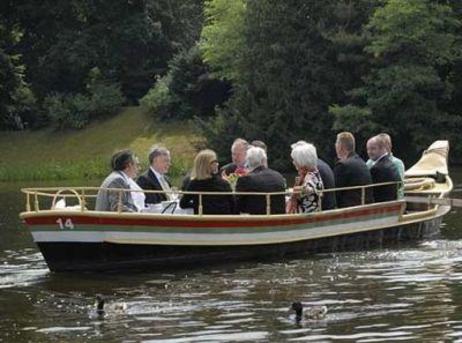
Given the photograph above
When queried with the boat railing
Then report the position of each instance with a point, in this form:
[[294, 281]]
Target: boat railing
[[35, 196]]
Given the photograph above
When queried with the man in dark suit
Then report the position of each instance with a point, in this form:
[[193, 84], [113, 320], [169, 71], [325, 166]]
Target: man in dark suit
[[260, 179], [349, 171], [154, 178], [382, 170], [328, 180], [238, 153]]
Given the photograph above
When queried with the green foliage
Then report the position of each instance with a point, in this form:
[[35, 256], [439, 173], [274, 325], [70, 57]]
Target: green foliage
[[68, 111], [129, 41], [76, 110], [17, 102], [223, 35], [413, 45], [188, 90], [158, 101]]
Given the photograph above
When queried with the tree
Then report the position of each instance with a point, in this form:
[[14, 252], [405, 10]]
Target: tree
[[412, 46], [16, 99], [288, 64]]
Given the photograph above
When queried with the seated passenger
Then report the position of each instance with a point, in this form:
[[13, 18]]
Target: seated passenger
[[205, 178], [124, 167], [238, 152], [308, 187], [382, 170], [154, 178], [399, 165], [260, 179], [350, 171], [327, 176]]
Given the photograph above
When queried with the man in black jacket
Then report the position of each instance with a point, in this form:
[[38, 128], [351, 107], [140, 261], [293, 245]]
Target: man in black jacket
[[260, 179], [382, 170], [154, 178], [349, 171]]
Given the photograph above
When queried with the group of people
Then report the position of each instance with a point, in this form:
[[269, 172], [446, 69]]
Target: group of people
[[243, 181]]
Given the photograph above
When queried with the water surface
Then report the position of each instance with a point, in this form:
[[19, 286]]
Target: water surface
[[404, 293]]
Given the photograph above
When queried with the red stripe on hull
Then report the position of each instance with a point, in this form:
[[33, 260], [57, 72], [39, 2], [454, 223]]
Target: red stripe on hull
[[174, 222]]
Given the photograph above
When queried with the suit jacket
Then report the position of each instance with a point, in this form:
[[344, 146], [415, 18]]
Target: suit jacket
[[261, 179], [211, 204], [348, 173], [107, 200], [327, 176], [228, 168], [385, 171], [149, 181]]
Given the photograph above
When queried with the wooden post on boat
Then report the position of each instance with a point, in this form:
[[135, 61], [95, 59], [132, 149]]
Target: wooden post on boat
[[82, 201], [268, 204], [200, 204], [27, 202], [36, 203], [119, 204]]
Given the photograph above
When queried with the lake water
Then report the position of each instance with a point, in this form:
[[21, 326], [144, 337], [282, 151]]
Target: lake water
[[404, 293]]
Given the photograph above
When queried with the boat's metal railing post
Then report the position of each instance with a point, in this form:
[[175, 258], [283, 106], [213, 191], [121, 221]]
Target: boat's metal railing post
[[268, 204], [320, 195], [119, 204], [28, 202], [363, 195], [82, 200], [200, 204], [36, 202]]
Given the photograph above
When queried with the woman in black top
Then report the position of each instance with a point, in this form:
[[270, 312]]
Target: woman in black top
[[205, 178]]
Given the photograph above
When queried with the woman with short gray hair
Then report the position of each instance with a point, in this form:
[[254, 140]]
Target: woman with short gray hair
[[308, 186]]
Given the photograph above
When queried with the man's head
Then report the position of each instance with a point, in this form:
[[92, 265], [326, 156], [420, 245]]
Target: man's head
[[238, 151], [159, 159], [126, 161], [259, 144], [385, 137], [376, 147], [345, 145], [256, 157]]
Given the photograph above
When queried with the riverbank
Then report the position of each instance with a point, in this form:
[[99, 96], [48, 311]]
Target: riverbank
[[47, 154]]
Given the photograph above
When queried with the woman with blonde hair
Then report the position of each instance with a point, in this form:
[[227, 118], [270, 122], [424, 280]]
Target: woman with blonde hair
[[205, 178]]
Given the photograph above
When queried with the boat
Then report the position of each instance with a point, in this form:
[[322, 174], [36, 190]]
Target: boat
[[78, 238]]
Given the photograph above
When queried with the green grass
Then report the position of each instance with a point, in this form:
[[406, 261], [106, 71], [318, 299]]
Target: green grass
[[84, 154]]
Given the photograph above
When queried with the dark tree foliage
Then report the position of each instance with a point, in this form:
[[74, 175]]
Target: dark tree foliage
[[413, 48], [129, 41], [298, 58], [17, 103]]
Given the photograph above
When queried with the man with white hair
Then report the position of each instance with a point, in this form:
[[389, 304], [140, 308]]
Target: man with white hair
[[238, 154], [260, 179], [154, 178]]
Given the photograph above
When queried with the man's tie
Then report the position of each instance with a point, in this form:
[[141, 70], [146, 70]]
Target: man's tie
[[166, 187]]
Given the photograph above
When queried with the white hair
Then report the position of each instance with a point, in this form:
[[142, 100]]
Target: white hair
[[255, 157], [298, 143], [304, 154]]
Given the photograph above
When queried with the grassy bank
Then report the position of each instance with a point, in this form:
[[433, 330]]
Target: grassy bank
[[84, 154]]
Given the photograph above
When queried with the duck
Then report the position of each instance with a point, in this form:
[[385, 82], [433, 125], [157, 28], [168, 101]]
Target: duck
[[312, 313], [100, 312]]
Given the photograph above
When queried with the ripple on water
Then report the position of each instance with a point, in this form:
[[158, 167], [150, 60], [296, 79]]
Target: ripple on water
[[22, 268]]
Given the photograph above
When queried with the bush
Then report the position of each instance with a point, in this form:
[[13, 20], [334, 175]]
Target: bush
[[76, 110], [68, 111], [188, 89], [159, 101]]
